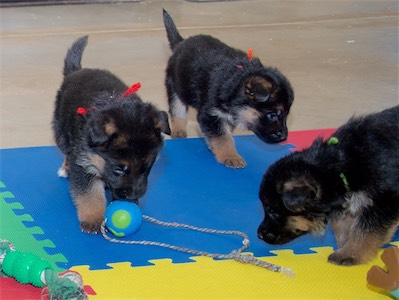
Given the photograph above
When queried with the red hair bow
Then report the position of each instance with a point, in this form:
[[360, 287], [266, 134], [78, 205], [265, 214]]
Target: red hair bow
[[134, 88]]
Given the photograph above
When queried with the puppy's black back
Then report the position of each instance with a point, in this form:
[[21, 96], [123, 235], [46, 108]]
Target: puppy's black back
[[205, 70], [371, 144]]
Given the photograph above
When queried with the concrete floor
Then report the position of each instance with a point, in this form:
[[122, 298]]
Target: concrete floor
[[340, 56]]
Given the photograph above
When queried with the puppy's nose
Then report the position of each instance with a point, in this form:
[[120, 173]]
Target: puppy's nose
[[122, 193], [280, 135], [266, 236]]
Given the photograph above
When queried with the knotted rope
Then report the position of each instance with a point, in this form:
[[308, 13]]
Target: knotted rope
[[237, 255]]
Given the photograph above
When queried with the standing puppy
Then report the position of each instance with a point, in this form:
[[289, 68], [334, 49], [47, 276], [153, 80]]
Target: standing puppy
[[351, 180], [228, 88], [109, 136]]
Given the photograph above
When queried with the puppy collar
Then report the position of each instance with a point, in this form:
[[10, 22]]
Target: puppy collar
[[334, 141], [134, 88]]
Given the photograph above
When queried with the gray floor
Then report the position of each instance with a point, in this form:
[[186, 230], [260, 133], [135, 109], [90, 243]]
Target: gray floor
[[340, 56]]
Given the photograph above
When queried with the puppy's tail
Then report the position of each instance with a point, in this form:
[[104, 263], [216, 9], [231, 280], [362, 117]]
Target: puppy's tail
[[74, 56], [174, 36]]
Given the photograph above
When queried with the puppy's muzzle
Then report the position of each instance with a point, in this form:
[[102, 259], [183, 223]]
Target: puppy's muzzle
[[129, 193], [272, 137], [266, 236], [276, 137], [274, 236]]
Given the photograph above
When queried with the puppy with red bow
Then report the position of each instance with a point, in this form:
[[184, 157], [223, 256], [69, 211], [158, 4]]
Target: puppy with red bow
[[109, 136]]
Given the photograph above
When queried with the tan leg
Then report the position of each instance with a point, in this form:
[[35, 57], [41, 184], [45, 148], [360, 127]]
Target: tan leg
[[356, 245], [225, 151], [91, 207], [63, 170], [358, 249], [179, 127], [341, 227]]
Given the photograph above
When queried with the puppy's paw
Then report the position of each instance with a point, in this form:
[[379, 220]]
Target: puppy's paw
[[342, 259], [62, 172], [91, 227], [179, 134], [235, 162]]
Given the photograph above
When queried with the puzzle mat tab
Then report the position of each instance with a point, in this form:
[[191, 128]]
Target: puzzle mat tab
[[186, 185]]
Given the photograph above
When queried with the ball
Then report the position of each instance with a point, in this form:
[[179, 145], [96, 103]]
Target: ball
[[123, 218]]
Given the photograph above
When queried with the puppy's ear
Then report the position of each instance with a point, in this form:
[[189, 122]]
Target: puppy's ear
[[258, 89], [164, 120], [297, 196], [101, 133]]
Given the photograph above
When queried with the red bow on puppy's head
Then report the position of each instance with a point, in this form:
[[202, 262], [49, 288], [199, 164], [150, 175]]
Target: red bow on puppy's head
[[134, 88]]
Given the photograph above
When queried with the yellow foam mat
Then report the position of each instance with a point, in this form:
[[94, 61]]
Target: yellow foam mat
[[227, 279]]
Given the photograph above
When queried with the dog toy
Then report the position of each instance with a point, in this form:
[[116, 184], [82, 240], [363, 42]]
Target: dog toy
[[389, 279], [29, 268], [133, 210], [123, 218]]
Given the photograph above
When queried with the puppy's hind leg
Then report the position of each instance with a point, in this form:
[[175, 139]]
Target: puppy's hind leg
[[178, 112], [358, 243]]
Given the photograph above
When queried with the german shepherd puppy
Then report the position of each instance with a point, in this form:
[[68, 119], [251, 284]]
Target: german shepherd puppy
[[351, 180], [228, 88], [109, 136]]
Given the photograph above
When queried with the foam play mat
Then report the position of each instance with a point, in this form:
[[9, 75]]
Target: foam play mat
[[186, 185]]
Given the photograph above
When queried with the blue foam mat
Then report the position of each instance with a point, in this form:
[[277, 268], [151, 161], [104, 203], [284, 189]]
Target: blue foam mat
[[186, 185]]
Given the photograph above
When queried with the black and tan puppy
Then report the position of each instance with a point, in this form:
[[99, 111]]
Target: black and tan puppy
[[351, 180], [228, 88], [109, 136]]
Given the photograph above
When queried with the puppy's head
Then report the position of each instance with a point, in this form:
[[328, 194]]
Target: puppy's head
[[268, 102], [124, 140], [293, 200]]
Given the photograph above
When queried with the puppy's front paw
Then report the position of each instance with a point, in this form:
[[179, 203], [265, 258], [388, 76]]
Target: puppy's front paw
[[179, 134], [91, 227], [62, 172], [342, 259], [235, 162]]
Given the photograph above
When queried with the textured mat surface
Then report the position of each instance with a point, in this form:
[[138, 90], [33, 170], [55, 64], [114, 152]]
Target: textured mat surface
[[186, 185]]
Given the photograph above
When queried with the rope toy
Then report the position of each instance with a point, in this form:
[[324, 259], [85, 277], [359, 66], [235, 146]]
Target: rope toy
[[111, 220], [134, 88], [29, 268]]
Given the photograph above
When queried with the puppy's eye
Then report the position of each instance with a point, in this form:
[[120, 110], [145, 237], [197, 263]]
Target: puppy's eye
[[274, 116], [249, 92], [273, 215], [121, 170]]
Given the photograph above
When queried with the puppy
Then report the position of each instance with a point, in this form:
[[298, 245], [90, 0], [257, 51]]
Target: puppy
[[351, 180], [228, 88], [109, 136]]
